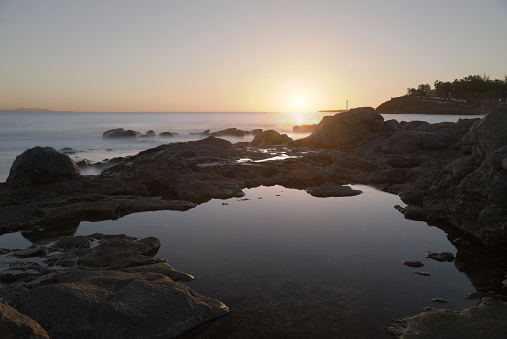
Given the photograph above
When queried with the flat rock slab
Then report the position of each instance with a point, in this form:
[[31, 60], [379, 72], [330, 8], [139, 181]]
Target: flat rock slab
[[111, 304], [486, 320], [324, 191]]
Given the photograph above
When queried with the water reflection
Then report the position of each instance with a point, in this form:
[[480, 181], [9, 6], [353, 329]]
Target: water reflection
[[288, 263]]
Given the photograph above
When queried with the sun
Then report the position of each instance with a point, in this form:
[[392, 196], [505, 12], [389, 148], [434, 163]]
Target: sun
[[299, 102]]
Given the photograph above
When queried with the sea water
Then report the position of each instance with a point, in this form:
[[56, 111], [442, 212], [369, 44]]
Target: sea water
[[286, 263]]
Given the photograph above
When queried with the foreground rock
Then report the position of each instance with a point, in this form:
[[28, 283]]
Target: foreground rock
[[14, 324], [486, 320], [104, 286]]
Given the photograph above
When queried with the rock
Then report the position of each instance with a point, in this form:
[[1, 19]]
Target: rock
[[304, 128], [42, 165], [232, 132], [440, 300], [14, 325], [408, 141], [119, 133], [256, 131], [149, 134], [486, 320], [444, 256], [423, 273], [166, 135], [111, 304], [206, 133], [105, 286], [489, 132], [345, 128], [411, 263], [83, 163], [391, 125], [270, 138], [330, 190]]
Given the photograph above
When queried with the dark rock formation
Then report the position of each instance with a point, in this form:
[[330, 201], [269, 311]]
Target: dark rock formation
[[345, 128], [166, 135], [444, 256], [332, 191], [42, 165], [486, 320], [105, 286], [414, 263], [119, 133], [149, 134], [408, 105], [231, 132], [14, 325], [270, 138]]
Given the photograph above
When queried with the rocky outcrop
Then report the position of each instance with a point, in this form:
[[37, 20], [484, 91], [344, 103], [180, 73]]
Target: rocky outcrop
[[486, 320], [270, 138], [119, 133], [14, 325], [408, 105], [42, 165], [104, 286], [345, 128]]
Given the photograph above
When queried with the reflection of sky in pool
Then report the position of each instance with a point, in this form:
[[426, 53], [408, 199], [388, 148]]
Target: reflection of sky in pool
[[282, 263]]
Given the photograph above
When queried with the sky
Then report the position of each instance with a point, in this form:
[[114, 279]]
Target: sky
[[263, 55]]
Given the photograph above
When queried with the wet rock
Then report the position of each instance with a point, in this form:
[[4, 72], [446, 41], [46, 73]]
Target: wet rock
[[232, 132], [42, 165], [270, 138], [119, 133], [444, 256], [486, 320], [413, 263], [330, 190], [14, 324], [256, 131]]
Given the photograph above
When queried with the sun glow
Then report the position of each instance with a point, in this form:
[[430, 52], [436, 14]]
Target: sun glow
[[299, 102]]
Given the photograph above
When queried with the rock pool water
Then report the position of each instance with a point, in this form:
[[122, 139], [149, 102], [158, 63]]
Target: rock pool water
[[291, 265]]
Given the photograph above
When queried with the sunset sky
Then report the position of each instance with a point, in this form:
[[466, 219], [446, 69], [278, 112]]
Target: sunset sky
[[273, 55]]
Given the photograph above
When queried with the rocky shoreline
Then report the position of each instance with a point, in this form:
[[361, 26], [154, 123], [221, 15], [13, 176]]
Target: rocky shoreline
[[452, 174]]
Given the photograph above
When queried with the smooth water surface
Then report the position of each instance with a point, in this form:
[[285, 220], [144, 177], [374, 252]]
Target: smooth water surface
[[289, 263]]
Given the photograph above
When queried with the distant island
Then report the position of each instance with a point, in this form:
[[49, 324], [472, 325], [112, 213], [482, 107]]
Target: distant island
[[334, 110], [24, 109]]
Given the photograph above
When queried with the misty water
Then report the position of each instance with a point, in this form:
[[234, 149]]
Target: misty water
[[286, 263]]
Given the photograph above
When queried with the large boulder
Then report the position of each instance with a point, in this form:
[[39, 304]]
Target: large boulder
[[42, 165], [270, 138], [345, 128], [15, 325], [119, 133]]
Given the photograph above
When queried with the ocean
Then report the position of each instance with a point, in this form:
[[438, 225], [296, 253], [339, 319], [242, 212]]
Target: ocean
[[286, 263]]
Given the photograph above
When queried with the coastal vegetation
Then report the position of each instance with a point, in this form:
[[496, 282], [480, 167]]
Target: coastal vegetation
[[471, 88]]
